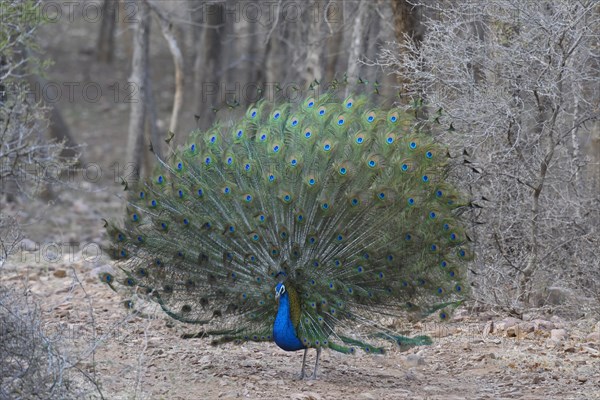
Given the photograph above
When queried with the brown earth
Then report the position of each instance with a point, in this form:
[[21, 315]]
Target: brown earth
[[146, 357]]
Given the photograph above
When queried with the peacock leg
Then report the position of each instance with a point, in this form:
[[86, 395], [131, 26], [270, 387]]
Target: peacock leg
[[303, 364], [314, 375]]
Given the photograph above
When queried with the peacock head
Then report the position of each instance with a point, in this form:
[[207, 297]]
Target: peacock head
[[279, 290]]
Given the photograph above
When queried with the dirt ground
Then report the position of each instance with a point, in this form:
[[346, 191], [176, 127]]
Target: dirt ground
[[136, 357], [146, 357]]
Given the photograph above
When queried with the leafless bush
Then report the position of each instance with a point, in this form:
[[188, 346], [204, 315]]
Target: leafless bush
[[28, 161], [34, 363], [519, 81]]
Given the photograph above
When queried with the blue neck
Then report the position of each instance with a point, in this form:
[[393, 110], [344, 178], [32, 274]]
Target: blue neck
[[284, 332]]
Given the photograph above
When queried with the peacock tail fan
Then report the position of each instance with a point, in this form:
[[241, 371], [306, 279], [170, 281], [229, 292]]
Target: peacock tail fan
[[344, 199]]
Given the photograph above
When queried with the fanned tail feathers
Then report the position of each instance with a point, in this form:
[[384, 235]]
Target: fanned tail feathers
[[348, 202]]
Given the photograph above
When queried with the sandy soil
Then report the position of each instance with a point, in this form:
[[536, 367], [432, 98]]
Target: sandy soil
[[146, 357]]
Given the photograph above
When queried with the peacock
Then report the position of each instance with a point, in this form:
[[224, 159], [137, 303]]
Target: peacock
[[301, 222]]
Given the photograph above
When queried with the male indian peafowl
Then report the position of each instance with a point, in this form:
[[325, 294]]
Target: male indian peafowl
[[296, 223]]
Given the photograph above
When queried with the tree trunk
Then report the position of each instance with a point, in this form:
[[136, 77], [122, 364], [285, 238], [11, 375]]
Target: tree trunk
[[273, 62], [232, 52], [407, 26], [357, 40], [194, 69], [255, 73], [57, 128], [312, 68], [167, 31], [127, 18], [151, 124], [105, 45], [334, 14], [139, 77], [532, 262], [407, 21], [208, 97]]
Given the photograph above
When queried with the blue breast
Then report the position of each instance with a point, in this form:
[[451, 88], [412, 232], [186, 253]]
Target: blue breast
[[284, 332]]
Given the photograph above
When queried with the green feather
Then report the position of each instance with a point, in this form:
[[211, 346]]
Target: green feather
[[346, 201]]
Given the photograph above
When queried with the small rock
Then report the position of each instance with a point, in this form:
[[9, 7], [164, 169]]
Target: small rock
[[537, 379], [460, 315], [488, 328], [414, 360], [367, 395], [443, 331], [412, 375], [306, 396], [527, 317], [593, 352], [248, 363], [558, 335], [205, 360], [593, 337], [543, 325], [582, 379], [60, 273], [63, 313], [526, 327], [29, 245], [481, 357], [512, 331], [569, 349], [505, 324], [80, 207]]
